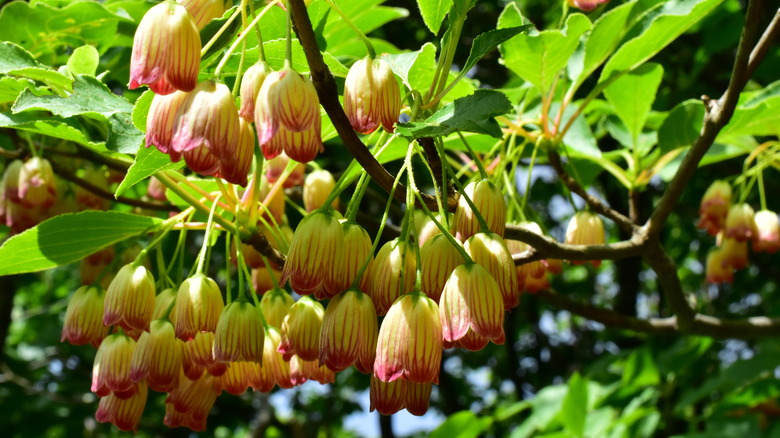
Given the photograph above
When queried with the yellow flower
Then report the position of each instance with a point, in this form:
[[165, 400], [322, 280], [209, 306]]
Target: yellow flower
[[371, 96]]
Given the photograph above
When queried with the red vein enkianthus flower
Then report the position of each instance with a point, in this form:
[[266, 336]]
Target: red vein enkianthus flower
[[371, 96], [491, 205], [301, 330], [157, 357], [166, 50], [84, 317], [315, 245], [239, 334], [129, 300], [349, 332]]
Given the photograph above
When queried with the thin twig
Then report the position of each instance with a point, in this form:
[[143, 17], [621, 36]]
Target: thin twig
[[546, 247]]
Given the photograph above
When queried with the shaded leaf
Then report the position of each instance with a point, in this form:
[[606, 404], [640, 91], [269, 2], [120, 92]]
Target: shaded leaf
[[488, 41], [682, 126], [575, 406], [632, 95]]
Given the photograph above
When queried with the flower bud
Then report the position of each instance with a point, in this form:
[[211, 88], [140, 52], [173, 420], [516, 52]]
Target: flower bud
[[9, 187], [234, 167], [315, 244], [203, 11], [198, 306], [718, 270], [349, 332], [157, 357], [586, 5], [239, 335], [438, 258], [276, 304], [286, 99], [318, 186], [357, 250], [160, 121], [200, 351], [123, 413], [301, 330], [392, 274], [371, 96], [251, 83], [490, 251], [714, 207], [166, 50], [111, 369], [274, 370], [410, 341], [585, 228], [195, 397], [767, 233], [84, 317], [735, 253], [471, 301], [387, 398], [130, 298], [162, 302], [276, 167], [489, 202], [156, 189], [37, 187], [740, 222]]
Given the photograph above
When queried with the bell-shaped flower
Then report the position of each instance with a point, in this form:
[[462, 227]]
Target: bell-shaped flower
[[130, 298], [251, 83], [371, 96], [157, 357], [740, 222], [471, 301], [195, 397], [239, 334], [199, 351], [767, 233], [387, 398], [317, 242], [237, 377], [490, 251], [234, 166], [489, 202], [357, 250], [714, 207], [410, 341], [84, 317], [735, 253], [317, 188], [124, 413], [300, 146], [286, 99], [111, 369], [276, 166], [276, 304], [301, 371], [717, 269], [198, 306], [162, 304], [392, 274], [349, 332], [438, 258], [161, 119], [585, 228], [203, 11], [37, 187], [166, 50], [274, 370], [301, 330]]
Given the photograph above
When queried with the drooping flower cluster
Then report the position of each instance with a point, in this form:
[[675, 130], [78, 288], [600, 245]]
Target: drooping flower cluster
[[28, 192]]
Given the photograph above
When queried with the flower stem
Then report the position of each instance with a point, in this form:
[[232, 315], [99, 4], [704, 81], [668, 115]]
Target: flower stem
[[477, 161], [360, 34], [206, 237], [241, 38], [219, 33]]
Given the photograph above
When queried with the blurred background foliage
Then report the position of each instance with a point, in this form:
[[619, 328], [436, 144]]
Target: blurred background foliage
[[557, 375]]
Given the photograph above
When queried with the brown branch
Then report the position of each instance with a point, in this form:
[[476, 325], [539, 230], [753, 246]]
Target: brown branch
[[261, 244], [103, 193], [766, 41], [329, 98], [719, 113], [666, 271], [547, 247], [596, 204]]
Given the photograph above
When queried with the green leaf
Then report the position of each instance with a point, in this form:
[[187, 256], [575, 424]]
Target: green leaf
[[416, 69], [463, 424], [682, 126], [141, 110], [640, 369], [68, 238], [602, 40], [275, 56], [538, 57], [488, 41], [658, 27], [757, 114], [11, 88], [147, 162], [632, 95], [56, 127], [84, 61], [472, 113], [433, 13], [17, 62], [575, 406]]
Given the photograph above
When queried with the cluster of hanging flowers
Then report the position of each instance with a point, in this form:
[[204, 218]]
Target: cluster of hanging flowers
[[734, 225]]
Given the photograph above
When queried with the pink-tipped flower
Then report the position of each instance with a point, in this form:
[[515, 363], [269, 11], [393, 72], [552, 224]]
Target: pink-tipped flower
[[286, 99], [166, 50], [317, 187], [300, 146], [160, 121], [317, 242], [208, 118], [740, 222], [532, 277], [111, 369], [371, 96], [585, 228], [130, 298], [163, 302], [195, 397], [357, 250], [239, 335], [276, 304], [489, 202], [251, 83], [302, 371], [410, 341], [349, 332], [275, 169], [234, 167], [124, 413], [274, 370], [718, 271], [84, 317], [203, 11], [157, 357], [37, 187], [490, 251], [767, 233], [471, 302], [199, 351], [198, 306], [438, 258], [387, 398], [734, 253], [301, 330], [392, 274], [714, 207], [586, 5]]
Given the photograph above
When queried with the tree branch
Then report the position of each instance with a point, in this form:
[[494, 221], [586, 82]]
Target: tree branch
[[329, 98], [666, 271], [546, 247]]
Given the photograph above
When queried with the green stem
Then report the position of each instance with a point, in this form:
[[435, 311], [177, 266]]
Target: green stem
[[206, 238], [260, 48], [241, 38], [237, 82], [245, 271], [254, 189], [219, 33], [227, 267], [288, 47], [175, 188], [440, 190], [761, 193], [164, 227], [360, 34], [482, 223], [354, 203], [481, 168], [528, 179]]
